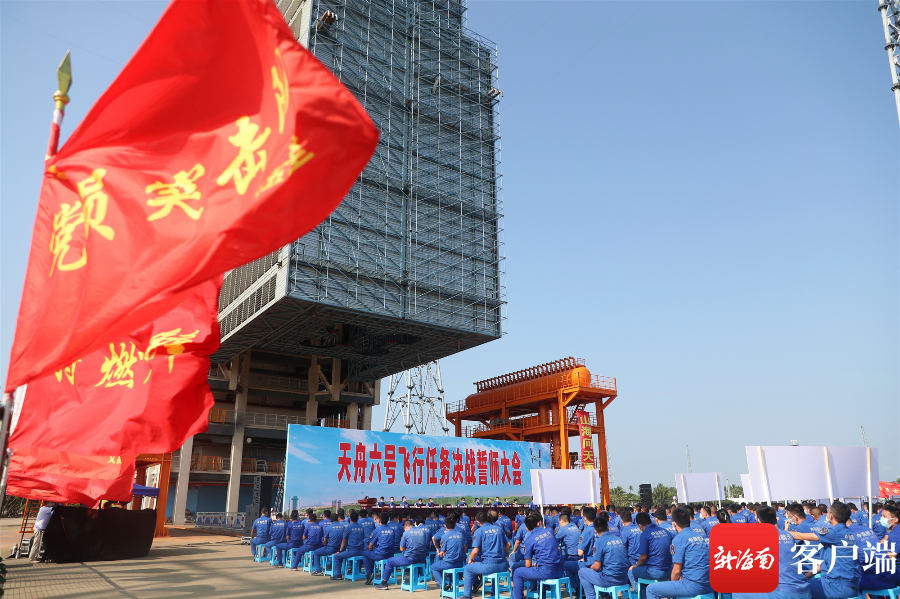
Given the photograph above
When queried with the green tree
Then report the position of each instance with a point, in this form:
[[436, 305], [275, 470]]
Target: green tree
[[734, 491], [662, 495]]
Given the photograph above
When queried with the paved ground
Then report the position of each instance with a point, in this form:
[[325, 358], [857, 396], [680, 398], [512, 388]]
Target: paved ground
[[188, 564]]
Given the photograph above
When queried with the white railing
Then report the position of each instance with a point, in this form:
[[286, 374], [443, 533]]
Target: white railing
[[221, 520]]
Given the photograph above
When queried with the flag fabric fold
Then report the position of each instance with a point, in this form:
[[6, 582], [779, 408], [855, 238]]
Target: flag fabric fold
[[141, 393], [220, 141]]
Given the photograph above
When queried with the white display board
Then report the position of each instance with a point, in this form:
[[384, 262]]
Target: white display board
[[789, 473], [700, 486], [551, 487], [748, 488]]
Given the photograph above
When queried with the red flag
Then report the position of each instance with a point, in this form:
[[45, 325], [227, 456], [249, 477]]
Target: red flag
[[143, 393], [67, 477], [221, 141]]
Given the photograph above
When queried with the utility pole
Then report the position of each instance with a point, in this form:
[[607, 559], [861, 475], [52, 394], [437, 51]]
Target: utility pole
[[890, 19], [688, 448]]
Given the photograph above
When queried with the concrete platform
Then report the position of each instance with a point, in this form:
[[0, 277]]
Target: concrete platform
[[190, 563]]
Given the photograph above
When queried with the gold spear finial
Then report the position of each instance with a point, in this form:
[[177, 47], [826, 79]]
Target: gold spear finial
[[64, 73]]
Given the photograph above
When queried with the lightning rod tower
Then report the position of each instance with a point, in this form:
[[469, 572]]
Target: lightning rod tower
[[688, 449], [865, 441], [417, 397], [890, 19]]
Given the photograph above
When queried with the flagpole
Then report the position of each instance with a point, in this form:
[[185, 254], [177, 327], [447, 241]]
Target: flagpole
[[64, 77]]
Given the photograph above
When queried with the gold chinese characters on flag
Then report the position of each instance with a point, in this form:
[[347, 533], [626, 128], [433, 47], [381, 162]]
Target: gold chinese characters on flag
[[221, 141]]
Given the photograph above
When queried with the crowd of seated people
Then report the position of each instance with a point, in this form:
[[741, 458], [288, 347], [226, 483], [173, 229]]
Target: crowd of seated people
[[593, 548]]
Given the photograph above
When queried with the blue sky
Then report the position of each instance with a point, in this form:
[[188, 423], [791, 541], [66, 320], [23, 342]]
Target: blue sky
[[701, 200]]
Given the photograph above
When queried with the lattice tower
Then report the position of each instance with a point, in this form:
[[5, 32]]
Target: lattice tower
[[890, 19], [417, 397]]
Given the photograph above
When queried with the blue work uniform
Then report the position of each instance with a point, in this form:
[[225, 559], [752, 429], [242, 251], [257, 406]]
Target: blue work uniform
[[334, 536], [615, 526], [276, 535], [866, 542], [654, 543], [465, 524], [506, 524], [609, 550], [738, 518], [314, 534], [382, 542], [695, 525], [631, 536], [791, 583], [368, 525], [398, 534], [453, 546], [542, 548], [708, 523], [569, 536], [415, 548], [670, 528], [355, 535], [490, 540], [262, 525], [840, 570], [691, 550], [293, 539]]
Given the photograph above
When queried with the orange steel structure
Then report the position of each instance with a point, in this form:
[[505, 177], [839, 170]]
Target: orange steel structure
[[144, 461], [538, 404]]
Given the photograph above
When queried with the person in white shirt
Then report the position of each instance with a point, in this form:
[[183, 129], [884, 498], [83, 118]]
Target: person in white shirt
[[40, 525]]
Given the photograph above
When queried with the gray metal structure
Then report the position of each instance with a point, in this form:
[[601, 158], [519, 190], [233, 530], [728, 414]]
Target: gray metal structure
[[890, 19], [408, 269], [416, 396]]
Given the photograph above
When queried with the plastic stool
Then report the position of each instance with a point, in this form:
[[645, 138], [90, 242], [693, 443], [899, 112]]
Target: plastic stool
[[555, 585], [273, 558], [500, 583], [429, 560], [326, 562], [417, 578], [379, 568], [307, 561], [646, 582], [892, 593], [456, 582], [625, 589], [353, 569], [288, 557], [262, 554]]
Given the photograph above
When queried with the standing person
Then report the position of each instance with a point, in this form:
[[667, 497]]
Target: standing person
[[40, 525], [791, 583], [841, 581], [610, 564], [353, 541], [488, 552], [381, 546], [413, 546], [690, 562], [451, 553], [655, 561], [540, 547], [261, 527]]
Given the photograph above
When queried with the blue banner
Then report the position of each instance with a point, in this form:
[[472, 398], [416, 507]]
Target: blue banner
[[331, 464]]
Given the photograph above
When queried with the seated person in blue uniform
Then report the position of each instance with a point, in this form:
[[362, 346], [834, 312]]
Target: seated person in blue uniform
[[476, 503], [497, 502], [277, 534], [690, 562], [381, 545], [334, 537], [404, 503], [293, 538], [380, 502], [451, 551], [889, 521], [840, 568], [568, 536], [488, 554], [395, 525], [260, 528], [413, 546], [655, 561], [586, 539], [870, 576], [462, 502], [312, 539], [797, 520], [353, 537], [609, 567], [707, 519], [664, 523], [736, 516], [631, 536], [791, 583], [543, 559]]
